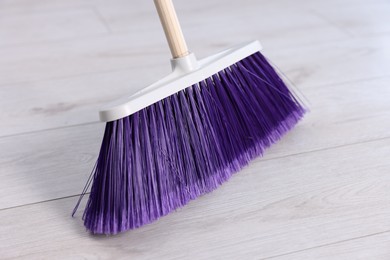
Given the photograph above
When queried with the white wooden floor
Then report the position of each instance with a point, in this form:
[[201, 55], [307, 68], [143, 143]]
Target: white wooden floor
[[323, 192]]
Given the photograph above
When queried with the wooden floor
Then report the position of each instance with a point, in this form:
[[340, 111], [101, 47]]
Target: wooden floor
[[323, 192]]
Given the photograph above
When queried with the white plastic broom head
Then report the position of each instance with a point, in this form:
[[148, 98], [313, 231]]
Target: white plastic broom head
[[186, 71]]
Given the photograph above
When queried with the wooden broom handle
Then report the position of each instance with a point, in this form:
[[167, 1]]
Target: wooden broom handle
[[172, 29]]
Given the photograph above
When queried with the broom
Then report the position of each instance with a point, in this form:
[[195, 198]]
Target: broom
[[186, 134]]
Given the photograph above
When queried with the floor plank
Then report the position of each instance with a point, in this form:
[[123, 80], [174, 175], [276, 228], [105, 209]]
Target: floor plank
[[266, 22], [27, 6], [340, 114], [16, 29], [358, 21], [70, 100], [45, 165], [332, 63], [367, 247], [27, 63], [66, 102], [333, 195]]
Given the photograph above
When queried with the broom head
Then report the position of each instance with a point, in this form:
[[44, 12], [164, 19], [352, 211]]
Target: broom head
[[185, 135]]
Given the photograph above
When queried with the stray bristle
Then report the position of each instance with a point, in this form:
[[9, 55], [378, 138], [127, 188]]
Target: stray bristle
[[187, 144]]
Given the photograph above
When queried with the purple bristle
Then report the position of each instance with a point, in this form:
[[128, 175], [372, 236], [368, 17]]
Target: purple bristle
[[187, 144]]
